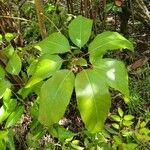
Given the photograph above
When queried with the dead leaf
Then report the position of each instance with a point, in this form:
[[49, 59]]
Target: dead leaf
[[138, 63]]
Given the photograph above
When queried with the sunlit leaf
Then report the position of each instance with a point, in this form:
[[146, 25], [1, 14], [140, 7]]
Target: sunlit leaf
[[120, 112], [107, 41], [93, 99], [114, 73], [128, 117], [3, 114], [54, 43], [44, 68], [80, 31]]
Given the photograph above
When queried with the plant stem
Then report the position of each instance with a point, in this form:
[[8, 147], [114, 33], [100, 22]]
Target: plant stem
[[40, 13]]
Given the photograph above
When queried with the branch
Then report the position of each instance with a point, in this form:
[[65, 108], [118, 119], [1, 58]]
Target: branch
[[40, 15]]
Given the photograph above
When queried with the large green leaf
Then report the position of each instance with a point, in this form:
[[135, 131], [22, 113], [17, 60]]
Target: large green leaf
[[55, 96], [45, 67], [93, 99], [107, 41], [14, 64], [54, 43], [114, 73], [80, 30]]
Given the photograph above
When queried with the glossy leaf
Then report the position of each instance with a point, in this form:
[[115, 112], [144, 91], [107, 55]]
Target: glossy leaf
[[55, 96], [14, 117], [107, 41], [114, 73], [54, 43], [80, 31], [128, 117], [93, 99], [14, 64], [46, 66]]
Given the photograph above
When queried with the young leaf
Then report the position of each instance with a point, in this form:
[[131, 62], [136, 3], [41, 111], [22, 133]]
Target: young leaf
[[120, 112], [14, 64], [93, 99], [46, 66], [107, 41], [116, 118], [80, 30], [127, 123], [55, 96], [54, 43], [128, 117], [115, 125], [114, 73]]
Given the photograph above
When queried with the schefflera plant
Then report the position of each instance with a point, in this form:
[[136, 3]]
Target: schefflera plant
[[92, 80]]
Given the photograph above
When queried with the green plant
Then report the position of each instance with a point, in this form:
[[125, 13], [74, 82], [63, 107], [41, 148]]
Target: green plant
[[51, 77], [123, 133], [93, 75]]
